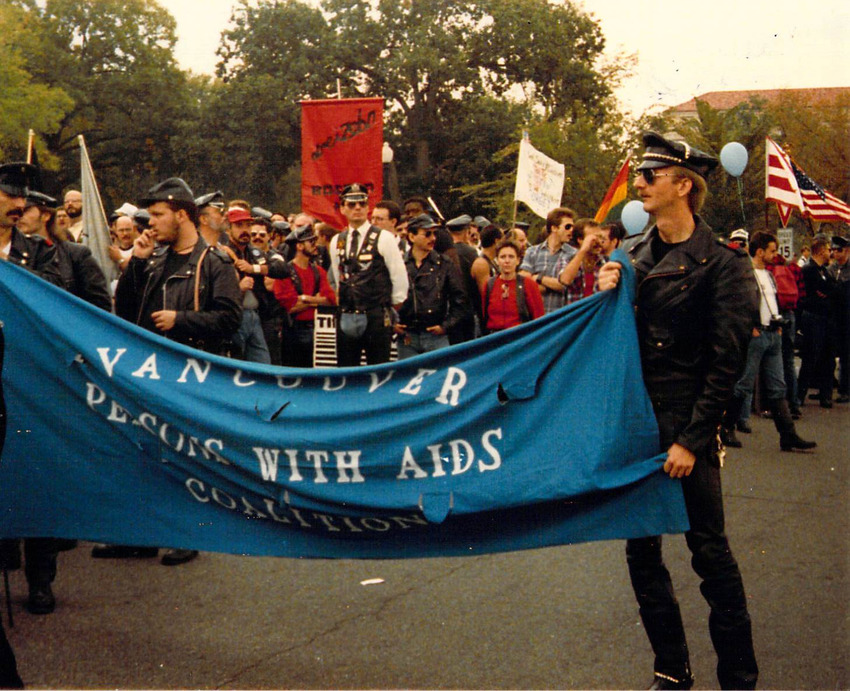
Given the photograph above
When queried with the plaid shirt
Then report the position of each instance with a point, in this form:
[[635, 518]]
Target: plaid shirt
[[539, 260], [575, 290]]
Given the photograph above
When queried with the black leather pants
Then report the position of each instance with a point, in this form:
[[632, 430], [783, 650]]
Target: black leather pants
[[722, 586]]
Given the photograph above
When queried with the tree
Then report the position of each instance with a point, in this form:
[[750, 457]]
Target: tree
[[591, 152], [115, 59], [434, 61], [551, 50], [24, 105], [815, 135]]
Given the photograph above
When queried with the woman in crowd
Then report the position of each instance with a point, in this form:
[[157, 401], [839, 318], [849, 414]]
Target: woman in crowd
[[508, 299]]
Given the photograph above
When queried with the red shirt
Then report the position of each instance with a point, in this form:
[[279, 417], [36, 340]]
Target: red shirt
[[284, 291], [503, 312]]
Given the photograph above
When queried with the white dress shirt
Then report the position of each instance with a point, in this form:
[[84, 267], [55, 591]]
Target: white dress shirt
[[388, 249]]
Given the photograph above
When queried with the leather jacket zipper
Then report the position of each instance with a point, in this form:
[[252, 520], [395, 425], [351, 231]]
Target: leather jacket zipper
[[666, 274]]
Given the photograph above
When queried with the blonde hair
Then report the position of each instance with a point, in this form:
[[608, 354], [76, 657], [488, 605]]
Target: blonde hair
[[699, 189]]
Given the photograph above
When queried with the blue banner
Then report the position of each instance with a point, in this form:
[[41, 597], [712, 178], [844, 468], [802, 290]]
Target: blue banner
[[540, 435]]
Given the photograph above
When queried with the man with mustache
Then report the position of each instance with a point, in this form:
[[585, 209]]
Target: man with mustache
[[31, 253]]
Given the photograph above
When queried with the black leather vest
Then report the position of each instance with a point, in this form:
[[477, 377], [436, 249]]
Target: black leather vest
[[364, 279]]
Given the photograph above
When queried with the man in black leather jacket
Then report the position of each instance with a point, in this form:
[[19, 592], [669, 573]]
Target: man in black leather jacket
[[436, 300], [182, 289], [80, 273], [157, 290], [695, 304], [31, 253]]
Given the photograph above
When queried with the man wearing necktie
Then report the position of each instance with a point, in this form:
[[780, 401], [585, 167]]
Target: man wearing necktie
[[371, 282]]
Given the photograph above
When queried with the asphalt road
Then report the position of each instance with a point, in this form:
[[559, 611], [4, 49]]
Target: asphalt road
[[561, 617]]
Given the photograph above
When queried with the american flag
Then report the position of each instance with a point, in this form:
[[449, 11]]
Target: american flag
[[820, 204], [791, 188]]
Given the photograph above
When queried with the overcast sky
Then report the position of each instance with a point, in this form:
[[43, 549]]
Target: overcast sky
[[684, 48]]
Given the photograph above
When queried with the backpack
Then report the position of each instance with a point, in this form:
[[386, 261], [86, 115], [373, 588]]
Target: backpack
[[521, 304], [787, 292], [296, 279], [287, 318]]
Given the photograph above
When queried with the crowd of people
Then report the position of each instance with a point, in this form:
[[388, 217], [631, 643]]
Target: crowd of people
[[412, 276], [804, 307], [237, 280]]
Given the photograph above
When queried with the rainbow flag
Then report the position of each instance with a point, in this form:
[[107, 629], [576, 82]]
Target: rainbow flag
[[616, 192]]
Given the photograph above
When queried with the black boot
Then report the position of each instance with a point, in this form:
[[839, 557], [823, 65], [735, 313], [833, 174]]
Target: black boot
[[662, 681], [729, 438], [730, 420], [41, 599], [788, 439]]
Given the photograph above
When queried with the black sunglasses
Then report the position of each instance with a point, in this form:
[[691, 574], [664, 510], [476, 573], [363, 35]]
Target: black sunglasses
[[351, 205], [650, 175]]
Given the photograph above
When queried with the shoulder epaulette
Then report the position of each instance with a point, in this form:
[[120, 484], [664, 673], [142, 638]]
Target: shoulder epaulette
[[740, 251], [223, 252]]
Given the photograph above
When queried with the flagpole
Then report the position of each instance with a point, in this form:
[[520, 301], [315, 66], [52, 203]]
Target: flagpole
[[85, 152], [525, 137], [96, 228], [30, 145]]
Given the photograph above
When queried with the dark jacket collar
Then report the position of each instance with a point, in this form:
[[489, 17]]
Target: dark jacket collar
[[23, 246], [433, 257], [695, 250], [158, 259]]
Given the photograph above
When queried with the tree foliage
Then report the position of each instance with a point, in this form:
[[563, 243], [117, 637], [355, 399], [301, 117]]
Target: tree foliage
[[114, 58], [592, 154], [817, 138], [24, 103], [459, 79]]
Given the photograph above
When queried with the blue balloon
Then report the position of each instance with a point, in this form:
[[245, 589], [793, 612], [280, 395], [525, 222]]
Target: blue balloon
[[733, 158], [634, 218]]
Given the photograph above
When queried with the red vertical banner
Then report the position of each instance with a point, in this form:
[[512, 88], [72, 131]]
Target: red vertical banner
[[341, 142]]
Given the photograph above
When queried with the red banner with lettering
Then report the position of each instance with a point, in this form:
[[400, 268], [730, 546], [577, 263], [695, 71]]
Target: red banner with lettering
[[341, 142]]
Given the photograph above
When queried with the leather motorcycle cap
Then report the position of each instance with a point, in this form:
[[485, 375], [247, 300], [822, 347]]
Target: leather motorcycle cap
[[661, 152]]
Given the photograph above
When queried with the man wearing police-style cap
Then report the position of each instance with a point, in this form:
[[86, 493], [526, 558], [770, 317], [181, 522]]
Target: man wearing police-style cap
[[371, 282], [695, 304], [172, 246], [466, 256], [437, 301], [212, 224], [81, 274], [31, 253], [171, 252], [305, 289]]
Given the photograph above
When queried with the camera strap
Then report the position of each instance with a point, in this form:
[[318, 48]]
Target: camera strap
[[764, 295]]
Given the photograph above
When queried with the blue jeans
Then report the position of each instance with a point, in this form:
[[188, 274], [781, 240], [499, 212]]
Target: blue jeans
[[765, 352], [249, 339], [789, 334], [420, 342]]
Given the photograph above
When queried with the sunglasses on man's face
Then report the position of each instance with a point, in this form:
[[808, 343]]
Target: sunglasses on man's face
[[650, 175], [259, 235], [352, 205], [427, 233]]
